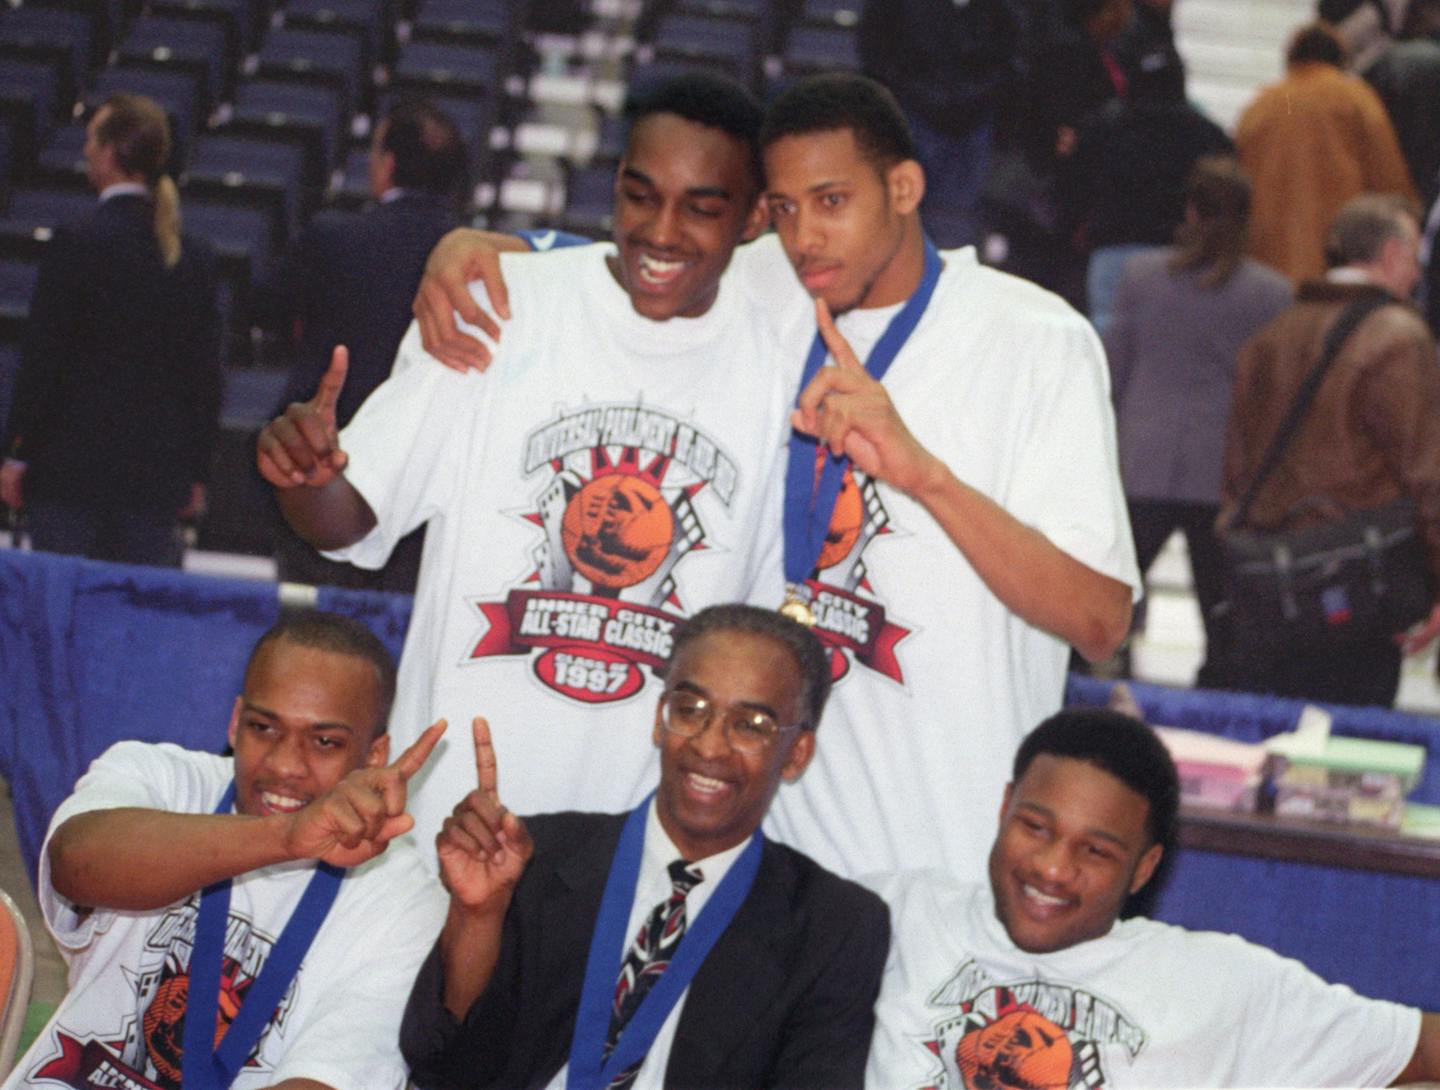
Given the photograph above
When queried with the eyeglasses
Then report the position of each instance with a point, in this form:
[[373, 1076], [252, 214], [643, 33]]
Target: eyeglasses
[[747, 730]]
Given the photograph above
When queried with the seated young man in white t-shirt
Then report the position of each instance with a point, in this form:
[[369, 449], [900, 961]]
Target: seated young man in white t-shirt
[[1033, 981], [179, 885]]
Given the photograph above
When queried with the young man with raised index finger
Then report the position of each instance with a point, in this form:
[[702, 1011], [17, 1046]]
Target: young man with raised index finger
[[239, 922], [674, 946], [617, 473]]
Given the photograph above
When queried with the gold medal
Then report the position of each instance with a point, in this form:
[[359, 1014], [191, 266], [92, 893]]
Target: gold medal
[[797, 608]]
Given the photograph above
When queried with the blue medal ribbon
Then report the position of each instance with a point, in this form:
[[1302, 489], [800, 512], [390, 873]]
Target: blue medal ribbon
[[204, 1066], [589, 1069], [809, 504]]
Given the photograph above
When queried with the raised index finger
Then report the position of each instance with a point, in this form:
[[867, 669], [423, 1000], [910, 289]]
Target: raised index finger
[[486, 769], [414, 758], [333, 381], [839, 347]]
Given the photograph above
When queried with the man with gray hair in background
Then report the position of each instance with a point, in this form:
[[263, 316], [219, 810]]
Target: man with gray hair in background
[[1370, 436]]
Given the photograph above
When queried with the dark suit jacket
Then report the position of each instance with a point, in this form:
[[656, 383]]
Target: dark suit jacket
[[119, 386], [349, 279], [785, 998]]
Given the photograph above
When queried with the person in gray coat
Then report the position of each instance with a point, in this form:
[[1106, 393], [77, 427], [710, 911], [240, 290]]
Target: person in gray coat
[[1181, 314]]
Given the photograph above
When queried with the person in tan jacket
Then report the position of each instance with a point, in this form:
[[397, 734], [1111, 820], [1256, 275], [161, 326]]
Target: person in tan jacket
[[1309, 143]]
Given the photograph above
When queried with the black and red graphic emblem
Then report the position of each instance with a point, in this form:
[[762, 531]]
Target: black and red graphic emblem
[[147, 1050], [1029, 1035], [618, 515]]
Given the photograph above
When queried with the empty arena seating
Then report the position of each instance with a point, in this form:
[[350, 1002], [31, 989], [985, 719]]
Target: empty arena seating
[[272, 104]]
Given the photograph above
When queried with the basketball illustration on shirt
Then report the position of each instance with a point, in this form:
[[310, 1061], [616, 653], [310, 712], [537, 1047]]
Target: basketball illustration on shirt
[[618, 502], [164, 1024], [1022, 1050], [845, 524], [1024, 1034], [617, 529]]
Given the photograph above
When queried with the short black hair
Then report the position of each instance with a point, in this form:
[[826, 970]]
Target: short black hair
[[708, 99], [1120, 745], [1316, 42], [843, 100], [804, 646], [429, 151], [341, 635]]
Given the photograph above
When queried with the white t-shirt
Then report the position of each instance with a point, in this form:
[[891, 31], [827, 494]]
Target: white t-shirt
[[606, 477], [129, 971], [938, 680], [1148, 1005]]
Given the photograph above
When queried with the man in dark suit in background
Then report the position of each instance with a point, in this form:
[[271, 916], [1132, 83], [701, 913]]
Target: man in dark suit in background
[[348, 280], [118, 397], [784, 996]]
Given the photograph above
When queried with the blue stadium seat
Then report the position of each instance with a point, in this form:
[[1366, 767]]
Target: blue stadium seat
[[610, 140], [240, 18], [729, 42], [845, 13], [330, 58], [251, 172], [480, 22], [30, 103], [353, 189], [309, 115], [589, 201], [244, 241], [188, 45], [33, 214], [46, 207], [61, 160], [821, 49], [365, 20], [752, 10], [61, 38], [444, 68], [644, 77], [243, 238], [104, 19], [17, 284]]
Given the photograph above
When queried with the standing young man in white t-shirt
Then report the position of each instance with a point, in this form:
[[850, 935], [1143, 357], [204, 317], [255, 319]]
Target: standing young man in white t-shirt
[[616, 471], [251, 896], [1033, 981], [980, 529]]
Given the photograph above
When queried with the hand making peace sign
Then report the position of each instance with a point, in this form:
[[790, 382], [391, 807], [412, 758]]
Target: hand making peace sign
[[357, 818]]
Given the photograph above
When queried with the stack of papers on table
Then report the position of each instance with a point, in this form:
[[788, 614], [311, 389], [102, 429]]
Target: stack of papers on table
[[1216, 773], [1358, 781]]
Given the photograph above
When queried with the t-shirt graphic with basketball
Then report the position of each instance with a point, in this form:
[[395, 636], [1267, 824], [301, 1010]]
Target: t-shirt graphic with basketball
[[145, 1048], [1147, 1005], [617, 505], [1023, 1035], [605, 478]]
